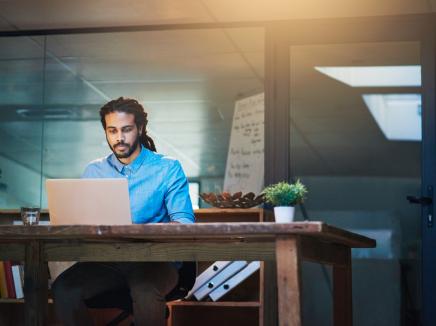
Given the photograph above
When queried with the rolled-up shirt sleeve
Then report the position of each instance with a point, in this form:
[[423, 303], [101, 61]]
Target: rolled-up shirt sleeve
[[177, 200]]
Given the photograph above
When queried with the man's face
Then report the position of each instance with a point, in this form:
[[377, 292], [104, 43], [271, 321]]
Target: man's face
[[122, 134]]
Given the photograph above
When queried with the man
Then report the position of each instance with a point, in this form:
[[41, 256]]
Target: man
[[158, 191]]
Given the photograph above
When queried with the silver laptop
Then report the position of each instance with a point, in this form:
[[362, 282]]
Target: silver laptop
[[88, 201]]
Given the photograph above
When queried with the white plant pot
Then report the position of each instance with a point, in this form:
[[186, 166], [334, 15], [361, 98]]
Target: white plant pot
[[284, 214]]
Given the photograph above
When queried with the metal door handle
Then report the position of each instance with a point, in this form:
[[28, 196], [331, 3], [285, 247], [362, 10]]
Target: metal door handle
[[426, 203], [419, 200]]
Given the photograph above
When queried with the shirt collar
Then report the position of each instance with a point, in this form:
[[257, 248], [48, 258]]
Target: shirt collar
[[133, 166]]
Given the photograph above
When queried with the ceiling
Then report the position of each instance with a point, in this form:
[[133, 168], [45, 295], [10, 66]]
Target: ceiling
[[188, 80], [29, 14]]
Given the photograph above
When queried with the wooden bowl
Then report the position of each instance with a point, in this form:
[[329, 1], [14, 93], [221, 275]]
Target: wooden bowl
[[237, 200]]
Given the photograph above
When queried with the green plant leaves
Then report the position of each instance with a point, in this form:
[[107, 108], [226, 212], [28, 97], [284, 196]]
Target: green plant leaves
[[285, 194]]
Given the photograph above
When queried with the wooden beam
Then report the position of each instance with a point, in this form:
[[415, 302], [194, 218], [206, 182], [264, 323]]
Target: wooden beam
[[268, 311], [79, 251], [342, 294], [177, 232], [348, 238], [289, 281], [12, 251], [324, 252], [35, 285]]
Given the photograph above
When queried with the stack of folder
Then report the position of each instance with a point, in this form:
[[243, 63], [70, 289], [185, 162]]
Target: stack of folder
[[11, 280], [221, 277]]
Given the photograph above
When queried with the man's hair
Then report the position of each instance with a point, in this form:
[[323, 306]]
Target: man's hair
[[131, 106]]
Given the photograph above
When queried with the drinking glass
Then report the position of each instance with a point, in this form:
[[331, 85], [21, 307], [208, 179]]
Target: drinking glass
[[30, 215]]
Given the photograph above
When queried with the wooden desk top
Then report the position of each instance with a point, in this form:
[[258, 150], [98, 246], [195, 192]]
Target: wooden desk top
[[219, 211], [175, 232]]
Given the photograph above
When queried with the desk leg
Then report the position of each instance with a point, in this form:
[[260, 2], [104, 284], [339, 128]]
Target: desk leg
[[288, 281], [35, 285], [268, 311], [342, 293]]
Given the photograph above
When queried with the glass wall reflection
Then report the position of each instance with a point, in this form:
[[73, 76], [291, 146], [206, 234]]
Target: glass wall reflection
[[187, 80], [355, 143], [21, 124]]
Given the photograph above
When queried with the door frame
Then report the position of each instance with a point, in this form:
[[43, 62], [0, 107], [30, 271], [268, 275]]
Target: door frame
[[281, 36]]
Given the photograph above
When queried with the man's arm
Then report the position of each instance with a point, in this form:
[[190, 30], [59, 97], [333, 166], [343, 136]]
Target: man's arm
[[177, 200], [89, 172]]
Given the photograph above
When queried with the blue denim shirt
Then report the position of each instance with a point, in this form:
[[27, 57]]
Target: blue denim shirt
[[158, 188]]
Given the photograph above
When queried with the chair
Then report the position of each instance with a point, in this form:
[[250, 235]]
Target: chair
[[121, 298]]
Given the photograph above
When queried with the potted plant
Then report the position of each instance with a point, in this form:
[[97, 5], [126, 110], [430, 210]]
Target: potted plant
[[284, 196]]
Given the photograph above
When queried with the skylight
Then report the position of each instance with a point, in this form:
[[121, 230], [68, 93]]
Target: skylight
[[397, 115], [375, 76]]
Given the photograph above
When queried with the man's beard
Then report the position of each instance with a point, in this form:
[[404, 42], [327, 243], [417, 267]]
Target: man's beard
[[130, 150]]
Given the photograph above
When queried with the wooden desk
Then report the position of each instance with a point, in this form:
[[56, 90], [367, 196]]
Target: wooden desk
[[284, 244]]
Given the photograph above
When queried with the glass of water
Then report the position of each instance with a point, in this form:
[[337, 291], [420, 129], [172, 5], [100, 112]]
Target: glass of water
[[30, 215]]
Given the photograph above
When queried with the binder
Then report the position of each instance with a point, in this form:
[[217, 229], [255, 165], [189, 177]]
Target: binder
[[9, 279], [3, 287], [17, 281], [222, 276], [205, 276], [233, 281]]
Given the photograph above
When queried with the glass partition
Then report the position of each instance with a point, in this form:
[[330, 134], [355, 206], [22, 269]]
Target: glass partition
[[188, 81], [21, 124], [356, 144]]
